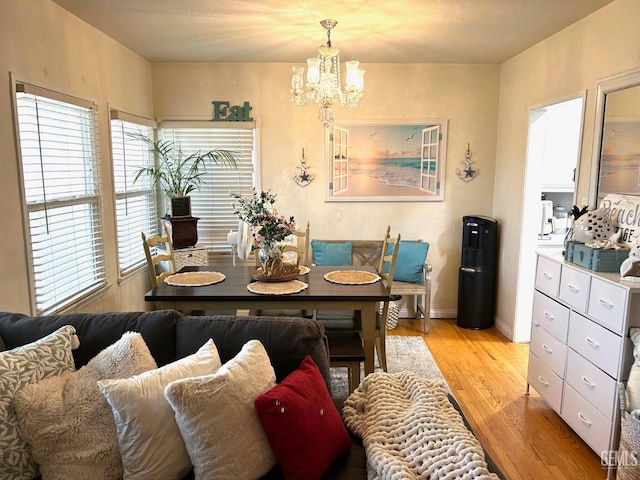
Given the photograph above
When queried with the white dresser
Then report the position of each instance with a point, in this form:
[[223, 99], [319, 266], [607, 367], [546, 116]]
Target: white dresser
[[580, 345]]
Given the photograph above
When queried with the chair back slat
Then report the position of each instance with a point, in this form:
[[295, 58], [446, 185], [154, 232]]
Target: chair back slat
[[155, 258], [301, 248]]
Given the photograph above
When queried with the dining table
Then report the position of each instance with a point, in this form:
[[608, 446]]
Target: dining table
[[318, 293]]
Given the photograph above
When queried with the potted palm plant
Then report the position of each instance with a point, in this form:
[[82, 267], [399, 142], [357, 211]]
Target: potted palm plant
[[178, 174]]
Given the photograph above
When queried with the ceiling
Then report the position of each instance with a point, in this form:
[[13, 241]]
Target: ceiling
[[372, 31]]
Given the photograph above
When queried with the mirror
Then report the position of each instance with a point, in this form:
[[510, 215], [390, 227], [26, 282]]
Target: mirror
[[616, 140]]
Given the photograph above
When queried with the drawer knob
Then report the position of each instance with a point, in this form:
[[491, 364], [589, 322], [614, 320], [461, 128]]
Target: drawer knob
[[573, 288], [549, 316], [548, 276], [547, 348], [542, 381], [584, 419], [592, 342], [588, 382], [604, 303]]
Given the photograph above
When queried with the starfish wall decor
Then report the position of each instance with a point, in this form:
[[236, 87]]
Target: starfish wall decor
[[468, 173], [303, 178]]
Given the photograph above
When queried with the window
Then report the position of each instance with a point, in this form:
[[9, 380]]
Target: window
[[212, 202], [136, 204], [58, 156]]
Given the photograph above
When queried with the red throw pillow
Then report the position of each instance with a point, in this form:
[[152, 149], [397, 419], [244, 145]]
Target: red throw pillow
[[304, 427]]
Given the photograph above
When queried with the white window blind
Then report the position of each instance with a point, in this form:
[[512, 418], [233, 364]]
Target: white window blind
[[58, 155], [136, 204], [212, 202]]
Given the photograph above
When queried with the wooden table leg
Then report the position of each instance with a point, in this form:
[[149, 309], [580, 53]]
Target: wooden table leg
[[368, 325]]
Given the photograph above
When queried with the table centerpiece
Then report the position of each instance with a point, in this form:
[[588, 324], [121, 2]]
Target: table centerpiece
[[268, 228]]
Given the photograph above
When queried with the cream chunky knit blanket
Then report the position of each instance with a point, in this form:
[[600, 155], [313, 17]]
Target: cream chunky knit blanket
[[410, 430]]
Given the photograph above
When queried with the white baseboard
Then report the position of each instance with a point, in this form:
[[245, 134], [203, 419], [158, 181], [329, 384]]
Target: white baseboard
[[505, 329]]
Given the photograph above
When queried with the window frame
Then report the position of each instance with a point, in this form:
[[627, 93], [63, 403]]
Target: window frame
[[46, 295], [143, 188]]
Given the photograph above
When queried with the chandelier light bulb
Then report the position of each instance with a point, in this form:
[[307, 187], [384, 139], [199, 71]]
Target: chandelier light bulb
[[313, 70]]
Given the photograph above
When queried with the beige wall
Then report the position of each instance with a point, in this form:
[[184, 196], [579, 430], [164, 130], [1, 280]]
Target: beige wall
[[598, 46], [486, 106], [43, 43], [466, 95]]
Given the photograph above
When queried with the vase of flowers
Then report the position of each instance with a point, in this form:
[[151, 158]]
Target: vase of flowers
[[267, 227]]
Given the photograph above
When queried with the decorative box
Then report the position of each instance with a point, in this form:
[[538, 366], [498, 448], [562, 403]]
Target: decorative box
[[596, 259]]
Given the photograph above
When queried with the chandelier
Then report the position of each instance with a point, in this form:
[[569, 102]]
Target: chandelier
[[323, 80]]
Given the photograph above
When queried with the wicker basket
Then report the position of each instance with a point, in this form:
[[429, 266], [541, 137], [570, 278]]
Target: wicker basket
[[189, 257], [629, 449], [392, 315]]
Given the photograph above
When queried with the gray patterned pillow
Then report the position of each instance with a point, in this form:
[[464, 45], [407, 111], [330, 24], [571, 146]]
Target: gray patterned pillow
[[48, 357]]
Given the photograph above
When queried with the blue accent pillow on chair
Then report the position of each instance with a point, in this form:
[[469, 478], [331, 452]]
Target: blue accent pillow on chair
[[331, 253], [411, 258]]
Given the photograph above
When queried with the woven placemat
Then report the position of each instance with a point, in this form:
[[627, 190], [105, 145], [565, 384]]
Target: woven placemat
[[277, 288], [303, 269], [351, 277], [194, 279]]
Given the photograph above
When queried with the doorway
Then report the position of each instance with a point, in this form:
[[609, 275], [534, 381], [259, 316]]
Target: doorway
[[553, 153]]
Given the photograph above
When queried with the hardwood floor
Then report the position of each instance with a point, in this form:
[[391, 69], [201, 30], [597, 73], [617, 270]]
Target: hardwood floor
[[487, 374]]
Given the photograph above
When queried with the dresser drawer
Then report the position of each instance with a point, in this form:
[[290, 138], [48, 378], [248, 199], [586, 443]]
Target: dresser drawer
[[549, 349], [548, 276], [607, 304], [551, 315], [574, 288], [545, 382], [595, 343], [592, 383], [586, 420]]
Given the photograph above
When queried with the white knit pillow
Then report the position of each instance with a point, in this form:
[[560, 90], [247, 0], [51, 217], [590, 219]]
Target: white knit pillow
[[148, 436], [48, 357], [68, 422], [218, 420], [633, 384]]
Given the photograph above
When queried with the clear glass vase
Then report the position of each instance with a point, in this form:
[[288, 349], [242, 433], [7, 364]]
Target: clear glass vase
[[270, 258]]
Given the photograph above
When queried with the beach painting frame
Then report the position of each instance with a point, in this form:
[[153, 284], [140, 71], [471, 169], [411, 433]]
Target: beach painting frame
[[386, 161], [619, 169]]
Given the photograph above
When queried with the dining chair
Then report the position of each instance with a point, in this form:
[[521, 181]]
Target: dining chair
[[346, 351], [350, 320], [160, 263], [301, 247]]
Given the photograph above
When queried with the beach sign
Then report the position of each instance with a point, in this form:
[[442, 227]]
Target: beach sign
[[624, 212]]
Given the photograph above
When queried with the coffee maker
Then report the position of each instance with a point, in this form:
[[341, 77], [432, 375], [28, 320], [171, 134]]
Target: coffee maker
[[546, 220]]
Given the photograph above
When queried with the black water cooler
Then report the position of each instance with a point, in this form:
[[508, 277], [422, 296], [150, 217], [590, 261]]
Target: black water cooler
[[477, 277]]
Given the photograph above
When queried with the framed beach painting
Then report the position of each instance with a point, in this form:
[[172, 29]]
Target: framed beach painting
[[393, 161], [620, 157]]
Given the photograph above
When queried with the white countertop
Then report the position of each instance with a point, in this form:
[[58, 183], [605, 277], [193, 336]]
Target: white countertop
[[613, 277]]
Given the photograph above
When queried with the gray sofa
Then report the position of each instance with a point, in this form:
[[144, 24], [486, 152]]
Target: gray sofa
[[170, 336]]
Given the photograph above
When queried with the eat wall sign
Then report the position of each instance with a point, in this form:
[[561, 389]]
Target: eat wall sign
[[225, 112]]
